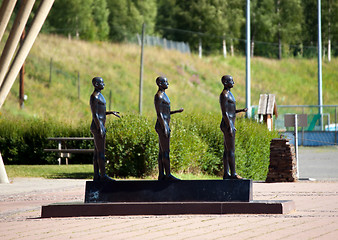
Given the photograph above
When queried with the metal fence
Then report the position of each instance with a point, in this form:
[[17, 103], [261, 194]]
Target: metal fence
[[327, 121], [322, 124], [162, 42]]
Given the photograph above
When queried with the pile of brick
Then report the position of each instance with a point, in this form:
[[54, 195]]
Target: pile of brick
[[283, 165]]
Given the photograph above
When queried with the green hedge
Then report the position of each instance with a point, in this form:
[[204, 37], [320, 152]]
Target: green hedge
[[132, 144], [196, 146], [22, 140]]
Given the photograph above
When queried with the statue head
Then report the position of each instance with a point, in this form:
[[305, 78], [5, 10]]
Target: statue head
[[98, 83], [162, 82], [227, 80]]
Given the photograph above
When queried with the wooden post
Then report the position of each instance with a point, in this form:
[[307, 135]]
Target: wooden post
[[224, 48], [78, 85], [20, 58], [22, 76], [50, 71], [14, 38], [3, 174], [141, 70], [5, 14], [200, 48]]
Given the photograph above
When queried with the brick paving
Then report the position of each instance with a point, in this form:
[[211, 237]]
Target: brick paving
[[316, 215]]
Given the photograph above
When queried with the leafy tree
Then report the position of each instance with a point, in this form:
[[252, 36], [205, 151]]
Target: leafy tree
[[289, 23], [236, 19], [330, 24], [310, 28], [126, 17], [263, 27], [84, 18], [209, 19], [100, 14]]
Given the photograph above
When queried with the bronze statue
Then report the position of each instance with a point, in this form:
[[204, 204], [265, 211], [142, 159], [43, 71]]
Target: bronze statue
[[228, 107], [162, 106], [98, 108]]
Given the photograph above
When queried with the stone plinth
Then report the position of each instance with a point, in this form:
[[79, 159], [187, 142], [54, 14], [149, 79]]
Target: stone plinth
[[169, 191]]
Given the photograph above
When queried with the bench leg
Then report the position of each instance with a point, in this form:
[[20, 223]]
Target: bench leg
[[59, 147]]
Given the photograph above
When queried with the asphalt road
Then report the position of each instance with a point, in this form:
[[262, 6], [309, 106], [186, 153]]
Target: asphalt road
[[320, 163]]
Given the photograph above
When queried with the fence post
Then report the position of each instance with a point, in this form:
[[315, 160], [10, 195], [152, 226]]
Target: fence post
[[296, 144], [50, 71], [200, 48], [335, 126], [141, 70], [232, 48], [110, 95], [78, 85], [224, 47]]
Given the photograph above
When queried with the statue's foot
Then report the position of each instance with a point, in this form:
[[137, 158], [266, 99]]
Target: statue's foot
[[105, 178], [236, 177], [96, 177], [226, 176], [161, 177], [171, 178]]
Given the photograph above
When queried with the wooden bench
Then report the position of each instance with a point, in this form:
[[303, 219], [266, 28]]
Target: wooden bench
[[62, 149]]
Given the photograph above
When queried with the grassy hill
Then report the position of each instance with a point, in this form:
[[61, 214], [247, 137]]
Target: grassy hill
[[194, 83]]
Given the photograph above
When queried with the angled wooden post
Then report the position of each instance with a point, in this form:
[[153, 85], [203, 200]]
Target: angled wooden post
[[5, 14], [20, 58], [3, 174], [14, 37]]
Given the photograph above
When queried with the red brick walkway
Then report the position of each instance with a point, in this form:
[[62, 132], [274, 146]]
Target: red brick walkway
[[316, 216]]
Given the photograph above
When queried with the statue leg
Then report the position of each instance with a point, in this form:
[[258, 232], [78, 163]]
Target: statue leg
[[226, 137], [226, 174], [165, 147], [160, 164], [96, 165], [100, 143], [230, 145]]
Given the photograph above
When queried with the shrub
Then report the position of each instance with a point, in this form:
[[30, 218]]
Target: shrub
[[22, 140], [132, 144]]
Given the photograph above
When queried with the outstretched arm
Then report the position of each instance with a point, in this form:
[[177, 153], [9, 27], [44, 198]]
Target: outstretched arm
[[116, 114], [242, 110], [177, 111]]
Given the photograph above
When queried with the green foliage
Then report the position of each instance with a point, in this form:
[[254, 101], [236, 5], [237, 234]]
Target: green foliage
[[72, 171], [288, 25], [88, 18], [132, 144], [196, 146], [210, 18], [22, 141], [126, 18]]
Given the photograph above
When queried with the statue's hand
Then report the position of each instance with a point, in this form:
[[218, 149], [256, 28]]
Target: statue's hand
[[116, 114], [232, 131], [102, 131], [245, 109], [181, 110], [167, 131]]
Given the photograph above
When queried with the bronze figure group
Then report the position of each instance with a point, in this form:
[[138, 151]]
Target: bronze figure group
[[162, 127]]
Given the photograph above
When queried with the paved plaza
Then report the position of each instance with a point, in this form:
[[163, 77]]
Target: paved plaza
[[316, 215]]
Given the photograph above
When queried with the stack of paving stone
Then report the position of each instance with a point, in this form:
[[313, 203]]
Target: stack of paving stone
[[283, 165]]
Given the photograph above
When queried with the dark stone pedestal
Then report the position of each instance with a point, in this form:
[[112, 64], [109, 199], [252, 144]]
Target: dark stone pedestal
[[167, 198], [165, 208], [169, 191]]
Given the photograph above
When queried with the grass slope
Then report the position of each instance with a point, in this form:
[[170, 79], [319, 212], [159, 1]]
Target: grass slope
[[194, 83]]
